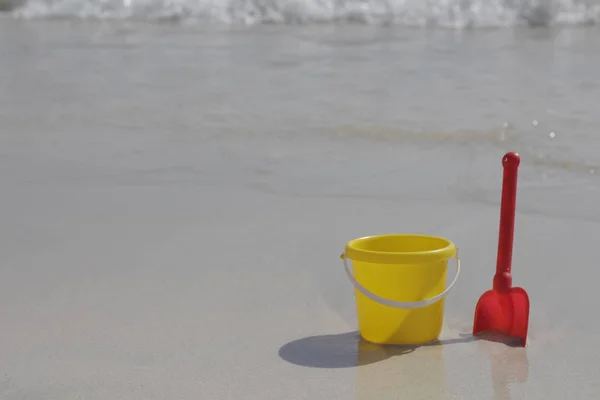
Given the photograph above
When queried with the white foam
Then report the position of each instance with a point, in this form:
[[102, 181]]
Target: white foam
[[442, 13]]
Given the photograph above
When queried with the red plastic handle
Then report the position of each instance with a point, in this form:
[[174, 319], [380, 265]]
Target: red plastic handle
[[503, 277]]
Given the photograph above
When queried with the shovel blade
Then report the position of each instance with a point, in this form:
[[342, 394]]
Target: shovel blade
[[503, 312]]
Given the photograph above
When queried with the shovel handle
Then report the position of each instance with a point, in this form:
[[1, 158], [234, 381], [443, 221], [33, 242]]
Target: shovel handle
[[503, 277]]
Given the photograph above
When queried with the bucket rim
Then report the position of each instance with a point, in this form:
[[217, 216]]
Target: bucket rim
[[400, 257]]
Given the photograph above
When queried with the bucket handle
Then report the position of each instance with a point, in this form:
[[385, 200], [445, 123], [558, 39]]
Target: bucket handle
[[400, 304]]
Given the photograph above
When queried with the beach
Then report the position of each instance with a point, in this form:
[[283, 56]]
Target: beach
[[176, 198]]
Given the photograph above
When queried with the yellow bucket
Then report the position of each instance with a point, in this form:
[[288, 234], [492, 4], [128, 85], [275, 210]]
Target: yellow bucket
[[400, 285]]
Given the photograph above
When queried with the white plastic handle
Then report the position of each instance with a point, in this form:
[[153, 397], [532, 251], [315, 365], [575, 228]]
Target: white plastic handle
[[400, 304]]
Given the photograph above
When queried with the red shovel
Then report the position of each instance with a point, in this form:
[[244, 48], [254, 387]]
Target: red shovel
[[505, 309]]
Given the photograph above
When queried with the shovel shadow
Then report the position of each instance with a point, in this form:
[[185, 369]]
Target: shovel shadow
[[347, 350]]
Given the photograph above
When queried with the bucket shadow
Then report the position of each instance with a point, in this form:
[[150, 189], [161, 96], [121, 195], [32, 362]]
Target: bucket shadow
[[347, 350]]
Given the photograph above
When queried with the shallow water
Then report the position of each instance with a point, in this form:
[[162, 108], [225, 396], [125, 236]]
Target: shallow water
[[120, 93]]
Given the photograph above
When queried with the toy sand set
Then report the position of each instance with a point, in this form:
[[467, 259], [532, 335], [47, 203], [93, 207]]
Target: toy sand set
[[400, 281]]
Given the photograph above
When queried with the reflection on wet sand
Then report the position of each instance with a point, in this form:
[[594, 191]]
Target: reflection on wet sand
[[419, 374], [385, 372], [509, 363]]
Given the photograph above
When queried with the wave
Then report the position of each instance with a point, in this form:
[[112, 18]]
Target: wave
[[414, 13]]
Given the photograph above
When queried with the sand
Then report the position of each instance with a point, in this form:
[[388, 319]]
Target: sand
[[167, 236], [175, 289]]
